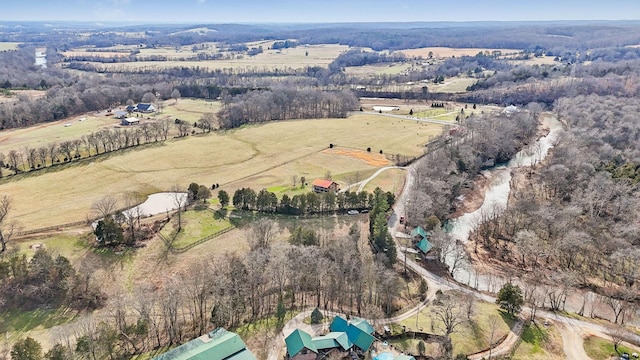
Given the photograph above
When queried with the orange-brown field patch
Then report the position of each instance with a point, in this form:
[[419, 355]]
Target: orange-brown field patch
[[372, 159]]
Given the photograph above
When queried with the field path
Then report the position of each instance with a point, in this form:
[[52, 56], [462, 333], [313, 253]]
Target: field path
[[363, 183]]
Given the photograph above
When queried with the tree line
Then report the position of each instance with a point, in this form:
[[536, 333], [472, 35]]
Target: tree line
[[285, 104], [301, 204], [93, 144]]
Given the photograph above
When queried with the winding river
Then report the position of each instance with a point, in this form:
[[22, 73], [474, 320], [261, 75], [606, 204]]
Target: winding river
[[496, 197]]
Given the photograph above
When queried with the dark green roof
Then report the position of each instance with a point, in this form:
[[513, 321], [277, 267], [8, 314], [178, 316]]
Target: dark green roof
[[219, 344], [363, 325], [297, 341], [358, 334], [424, 245], [419, 232], [332, 340]]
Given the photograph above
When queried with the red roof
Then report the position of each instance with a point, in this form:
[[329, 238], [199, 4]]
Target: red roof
[[322, 183]]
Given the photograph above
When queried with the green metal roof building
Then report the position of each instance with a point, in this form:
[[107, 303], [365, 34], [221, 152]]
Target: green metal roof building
[[297, 341], [219, 344], [332, 340], [358, 331]]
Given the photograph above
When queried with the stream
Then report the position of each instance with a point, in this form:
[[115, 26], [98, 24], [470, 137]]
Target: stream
[[495, 200]]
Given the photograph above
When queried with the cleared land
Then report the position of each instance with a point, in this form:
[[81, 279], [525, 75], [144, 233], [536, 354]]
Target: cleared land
[[540, 343], [5, 46], [257, 156], [446, 52], [47, 133], [295, 58], [391, 180], [392, 69], [471, 337], [599, 348]]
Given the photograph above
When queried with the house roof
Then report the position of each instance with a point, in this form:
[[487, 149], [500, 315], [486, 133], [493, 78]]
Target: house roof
[[418, 231], [424, 245], [363, 325], [297, 341], [358, 334], [144, 107], [131, 120], [120, 113], [322, 183], [332, 340], [130, 108], [219, 344]]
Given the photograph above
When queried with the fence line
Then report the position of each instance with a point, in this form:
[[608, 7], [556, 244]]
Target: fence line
[[176, 250]]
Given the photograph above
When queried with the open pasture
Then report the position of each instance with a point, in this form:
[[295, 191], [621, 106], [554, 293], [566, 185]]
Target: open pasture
[[380, 69], [295, 58], [47, 133], [190, 110], [447, 52], [7, 45], [257, 156]]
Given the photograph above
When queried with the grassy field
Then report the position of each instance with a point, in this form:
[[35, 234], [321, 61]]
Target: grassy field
[[257, 156], [196, 225], [539, 343], [295, 58], [392, 179], [472, 336], [599, 348], [453, 85], [392, 69], [190, 110], [446, 52], [44, 134], [5, 46]]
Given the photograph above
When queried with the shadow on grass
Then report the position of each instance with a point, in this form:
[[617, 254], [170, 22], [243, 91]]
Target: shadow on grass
[[23, 321], [509, 319]]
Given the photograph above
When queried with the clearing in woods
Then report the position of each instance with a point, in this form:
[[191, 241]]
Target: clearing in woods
[[7, 46]]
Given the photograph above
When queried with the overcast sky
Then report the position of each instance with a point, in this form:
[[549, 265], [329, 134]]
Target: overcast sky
[[300, 11]]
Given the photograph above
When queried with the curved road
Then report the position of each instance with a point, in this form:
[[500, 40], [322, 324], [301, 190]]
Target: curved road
[[572, 330]]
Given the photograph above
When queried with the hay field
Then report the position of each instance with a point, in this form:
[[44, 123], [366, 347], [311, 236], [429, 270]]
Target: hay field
[[257, 156], [295, 58], [389, 180], [46, 133], [190, 110], [453, 85], [392, 69], [447, 52], [6, 46]]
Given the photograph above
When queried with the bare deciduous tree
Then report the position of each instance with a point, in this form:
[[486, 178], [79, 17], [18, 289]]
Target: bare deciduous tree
[[105, 206]]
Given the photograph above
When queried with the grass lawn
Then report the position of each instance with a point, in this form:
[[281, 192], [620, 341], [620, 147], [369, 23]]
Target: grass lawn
[[539, 342], [22, 321], [470, 337], [196, 225], [72, 246], [389, 180], [410, 346], [190, 110], [599, 348]]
